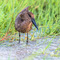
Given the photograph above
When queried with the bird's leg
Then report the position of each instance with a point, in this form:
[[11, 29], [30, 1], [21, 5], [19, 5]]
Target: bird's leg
[[27, 39], [19, 37]]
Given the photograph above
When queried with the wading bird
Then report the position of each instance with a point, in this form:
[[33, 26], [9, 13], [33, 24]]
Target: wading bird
[[24, 21]]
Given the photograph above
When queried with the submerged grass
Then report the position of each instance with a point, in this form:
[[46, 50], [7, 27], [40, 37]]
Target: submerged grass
[[44, 52], [46, 13]]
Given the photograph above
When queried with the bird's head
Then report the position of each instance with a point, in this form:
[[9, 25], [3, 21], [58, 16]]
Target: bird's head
[[25, 14]]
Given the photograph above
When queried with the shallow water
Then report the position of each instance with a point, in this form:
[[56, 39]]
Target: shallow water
[[15, 51]]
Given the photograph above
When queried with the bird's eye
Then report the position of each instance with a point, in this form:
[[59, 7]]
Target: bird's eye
[[22, 20], [29, 15]]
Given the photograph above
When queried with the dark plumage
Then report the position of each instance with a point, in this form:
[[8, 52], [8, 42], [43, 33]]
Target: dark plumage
[[24, 21]]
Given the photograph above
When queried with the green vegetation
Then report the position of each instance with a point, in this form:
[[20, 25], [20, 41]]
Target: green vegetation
[[47, 15]]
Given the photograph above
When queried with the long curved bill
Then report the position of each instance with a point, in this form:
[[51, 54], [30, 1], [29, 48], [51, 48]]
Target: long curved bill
[[33, 21]]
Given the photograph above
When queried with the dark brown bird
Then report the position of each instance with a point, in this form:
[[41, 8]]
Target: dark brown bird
[[24, 21]]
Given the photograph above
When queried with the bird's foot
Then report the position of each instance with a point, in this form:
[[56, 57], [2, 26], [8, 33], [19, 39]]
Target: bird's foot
[[19, 42]]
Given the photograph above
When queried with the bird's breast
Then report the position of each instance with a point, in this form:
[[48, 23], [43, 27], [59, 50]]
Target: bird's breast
[[26, 27]]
